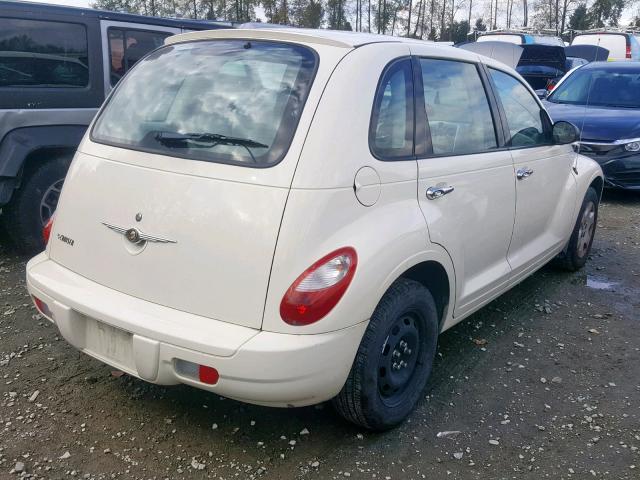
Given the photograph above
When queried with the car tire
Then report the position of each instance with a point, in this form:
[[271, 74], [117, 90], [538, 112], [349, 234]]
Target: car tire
[[380, 391], [579, 246], [33, 203]]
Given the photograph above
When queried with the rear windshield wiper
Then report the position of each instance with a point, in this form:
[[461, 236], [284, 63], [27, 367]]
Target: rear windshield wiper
[[206, 140]]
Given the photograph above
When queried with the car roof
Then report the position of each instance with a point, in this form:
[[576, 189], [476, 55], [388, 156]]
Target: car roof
[[616, 65], [35, 8], [584, 34], [335, 38]]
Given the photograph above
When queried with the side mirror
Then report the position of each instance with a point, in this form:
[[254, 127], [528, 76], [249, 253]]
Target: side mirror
[[564, 133], [542, 93]]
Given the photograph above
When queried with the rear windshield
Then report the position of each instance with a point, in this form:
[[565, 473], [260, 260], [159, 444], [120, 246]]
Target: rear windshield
[[226, 101], [605, 87]]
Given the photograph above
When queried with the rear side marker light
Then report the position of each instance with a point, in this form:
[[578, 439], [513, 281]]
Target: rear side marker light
[[199, 373], [46, 230], [43, 308], [319, 288], [208, 375]]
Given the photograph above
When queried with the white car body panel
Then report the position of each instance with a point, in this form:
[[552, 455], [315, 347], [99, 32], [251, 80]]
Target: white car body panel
[[243, 235], [543, 221], [615, 43]]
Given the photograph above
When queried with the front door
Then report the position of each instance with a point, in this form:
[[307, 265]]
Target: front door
[[466, 186], [545, 186]]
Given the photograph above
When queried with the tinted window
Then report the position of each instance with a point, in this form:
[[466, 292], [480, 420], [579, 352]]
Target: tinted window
[[458, 111], [524, 116], [227, 101], [42, 54], [391, 133], [607, 87], [126, 47]]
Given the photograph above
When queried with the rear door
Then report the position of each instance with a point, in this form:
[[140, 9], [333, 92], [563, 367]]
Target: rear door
[[545, 186], [465, 185]]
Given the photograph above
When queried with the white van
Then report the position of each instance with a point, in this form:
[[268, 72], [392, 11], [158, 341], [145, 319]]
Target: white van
[[519, 38], [621, 46], [290, 216]]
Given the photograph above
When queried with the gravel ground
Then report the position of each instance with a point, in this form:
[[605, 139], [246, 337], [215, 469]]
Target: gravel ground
[[542, 383]]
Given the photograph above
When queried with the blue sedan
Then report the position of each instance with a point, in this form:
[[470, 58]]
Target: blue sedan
[[602, 99]]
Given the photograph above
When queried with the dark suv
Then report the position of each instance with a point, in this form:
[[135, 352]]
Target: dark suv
[[57, 64]]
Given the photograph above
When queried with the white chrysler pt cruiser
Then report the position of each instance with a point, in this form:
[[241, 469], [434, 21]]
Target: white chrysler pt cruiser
[[286, 216]]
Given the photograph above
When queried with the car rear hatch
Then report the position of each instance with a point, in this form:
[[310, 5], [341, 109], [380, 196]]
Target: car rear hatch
[[540, 63], [616, 43], [178, 197]]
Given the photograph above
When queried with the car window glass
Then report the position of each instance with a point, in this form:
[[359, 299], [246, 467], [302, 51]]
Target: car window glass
[[600, 86], [225, 101], [126, 47], [457, 108], [391, 134], [42, 54], [524, 115]]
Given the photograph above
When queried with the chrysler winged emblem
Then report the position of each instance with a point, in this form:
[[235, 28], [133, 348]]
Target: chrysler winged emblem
[[135, 236]]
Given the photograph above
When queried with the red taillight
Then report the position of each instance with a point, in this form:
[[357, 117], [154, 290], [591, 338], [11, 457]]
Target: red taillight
[[319, 288], [628, 51], [42, 307], [208, 375], [46, 231]]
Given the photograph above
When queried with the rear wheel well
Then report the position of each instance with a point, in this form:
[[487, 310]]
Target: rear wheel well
[[598, 185], [434, 277], [39, 156]]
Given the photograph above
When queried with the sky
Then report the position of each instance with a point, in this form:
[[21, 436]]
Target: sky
[[626, 16]]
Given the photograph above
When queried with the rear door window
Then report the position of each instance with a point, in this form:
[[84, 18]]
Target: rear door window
[[37, 53], [127, 46], [226, 101], [457, 108]]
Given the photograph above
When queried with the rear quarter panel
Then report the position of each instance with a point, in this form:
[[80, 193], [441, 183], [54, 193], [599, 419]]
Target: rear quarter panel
[[323, 213]]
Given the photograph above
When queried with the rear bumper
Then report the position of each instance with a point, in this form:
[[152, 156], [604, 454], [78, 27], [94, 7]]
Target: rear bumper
[[146, 340]]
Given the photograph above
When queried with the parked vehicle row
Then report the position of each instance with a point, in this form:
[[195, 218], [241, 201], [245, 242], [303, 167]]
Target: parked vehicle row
[[57, 65], [600, 97], [242, 216], [541, 65], [622, 44]]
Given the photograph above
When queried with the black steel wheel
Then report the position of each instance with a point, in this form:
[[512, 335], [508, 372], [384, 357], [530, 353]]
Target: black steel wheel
[[399, 358], [394, 360]]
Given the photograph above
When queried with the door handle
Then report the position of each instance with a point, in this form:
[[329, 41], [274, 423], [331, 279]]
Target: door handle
[[436, 192], [523, 173]]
